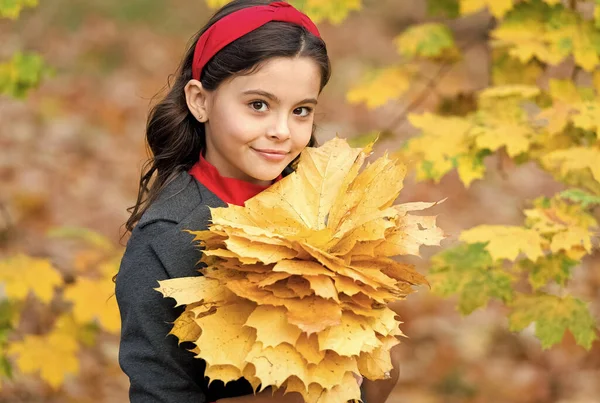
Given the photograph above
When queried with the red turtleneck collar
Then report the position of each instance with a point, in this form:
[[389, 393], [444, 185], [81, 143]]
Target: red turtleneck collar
[[230, 190]]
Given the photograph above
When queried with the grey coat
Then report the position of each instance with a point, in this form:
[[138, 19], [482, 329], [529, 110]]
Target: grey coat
[[158, 369]]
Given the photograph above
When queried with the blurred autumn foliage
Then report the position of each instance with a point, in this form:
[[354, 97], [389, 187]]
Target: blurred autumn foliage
[[494, 103]]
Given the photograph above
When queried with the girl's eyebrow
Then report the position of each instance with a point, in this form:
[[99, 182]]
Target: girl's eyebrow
[[275, 99]]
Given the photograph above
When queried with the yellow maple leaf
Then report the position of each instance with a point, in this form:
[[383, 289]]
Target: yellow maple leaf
[[378, 87], [333, 10], [506, 242], [22, 274], [272, 327], [498, 8], [224, 332], [53, 355], [469, 169], [430, 40], [588, 116], [350, 337], [185, 327], [94, 300], [575, 158], [217, 3], [442, 139], [574, 237], [296, 281], [515, 137], [274, 365], [224, 373], [12, 9], [377, 364], [308, 347], [344, 391]]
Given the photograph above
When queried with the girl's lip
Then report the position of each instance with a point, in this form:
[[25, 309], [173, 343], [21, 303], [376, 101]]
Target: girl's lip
[[271, 155]]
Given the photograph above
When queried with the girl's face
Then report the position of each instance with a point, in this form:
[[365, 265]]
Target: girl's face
[[257, 124]]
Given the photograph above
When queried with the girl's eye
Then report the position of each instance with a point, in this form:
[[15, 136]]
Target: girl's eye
[[306, 109], [256, 105]]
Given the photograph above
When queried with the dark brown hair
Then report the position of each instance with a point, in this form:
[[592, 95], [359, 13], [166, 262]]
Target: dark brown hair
[[175, 137]]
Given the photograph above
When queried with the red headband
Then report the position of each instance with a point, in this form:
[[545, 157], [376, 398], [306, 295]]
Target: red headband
[[238, 24]]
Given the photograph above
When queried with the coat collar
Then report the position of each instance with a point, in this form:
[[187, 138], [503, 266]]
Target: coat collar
[[178, 200]]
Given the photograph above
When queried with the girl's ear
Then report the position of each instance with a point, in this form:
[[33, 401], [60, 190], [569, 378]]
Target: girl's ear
[[196, 97]]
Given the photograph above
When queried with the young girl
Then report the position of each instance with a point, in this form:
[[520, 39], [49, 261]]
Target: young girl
[[234, 121]]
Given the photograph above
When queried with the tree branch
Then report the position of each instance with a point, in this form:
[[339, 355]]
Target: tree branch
[[431, 86]]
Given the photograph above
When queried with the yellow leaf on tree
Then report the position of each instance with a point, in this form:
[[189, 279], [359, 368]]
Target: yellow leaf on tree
[[53, 355], [575, 158], [506, 242], [573, 237], [442, 139], [516, 138], [334, 11], [588, 116], [217, 3], [22, 274], [430, 40], [378, 87], [12, 9], [469, 169], [498, 8], [94, 300]]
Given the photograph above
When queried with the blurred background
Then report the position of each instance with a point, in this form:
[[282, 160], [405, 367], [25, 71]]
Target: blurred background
[[72, 123]]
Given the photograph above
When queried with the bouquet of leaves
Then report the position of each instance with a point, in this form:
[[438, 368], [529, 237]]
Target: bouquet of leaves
[[295, 289]]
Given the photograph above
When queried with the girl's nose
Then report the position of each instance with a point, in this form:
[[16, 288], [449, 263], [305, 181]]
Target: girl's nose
[[280, 129]]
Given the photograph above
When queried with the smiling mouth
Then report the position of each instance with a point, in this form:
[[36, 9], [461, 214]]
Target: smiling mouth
[[272, 155]]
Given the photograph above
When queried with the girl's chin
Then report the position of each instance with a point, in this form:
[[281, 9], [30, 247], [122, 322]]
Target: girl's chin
[[266, 175]]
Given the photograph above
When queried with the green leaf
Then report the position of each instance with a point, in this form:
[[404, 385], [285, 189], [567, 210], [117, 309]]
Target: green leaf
[[9, 314], [580, 196], [555, 267], [90, 237], [21, 73], [430, 40], [5, 367], [362, 140], [335, 11], [12, 8], [443, 8], [552, 316], [469, 271]]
